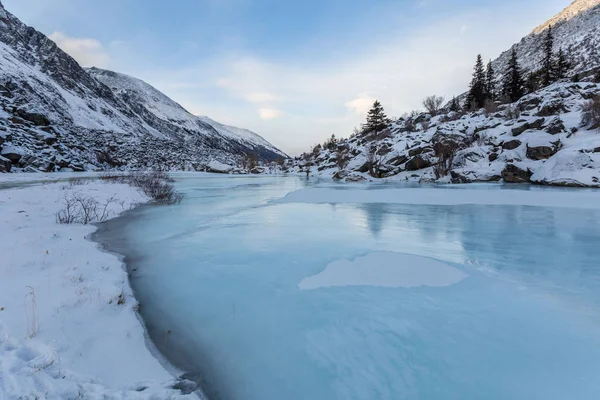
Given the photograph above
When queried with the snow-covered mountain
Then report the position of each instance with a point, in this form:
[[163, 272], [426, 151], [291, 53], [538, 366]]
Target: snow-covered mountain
[[576, 31], [54, 115]]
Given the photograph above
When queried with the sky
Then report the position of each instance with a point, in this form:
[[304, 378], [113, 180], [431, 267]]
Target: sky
[[295, 72]]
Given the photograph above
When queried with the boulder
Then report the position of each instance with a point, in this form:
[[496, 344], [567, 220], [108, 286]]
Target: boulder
[[552, 108], [459, 178], [541, 152], [419, 151], [34, 118], [417, 163], [555, 126], [537, 124], [355, 178], [14, 154], [5, 164], [493, 157], [340, 175], [514, 174], [364, 167], [511, 144], [398, 160]]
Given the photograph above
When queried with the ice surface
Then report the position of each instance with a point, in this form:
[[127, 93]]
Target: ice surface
[[218, 275], [385, 270]]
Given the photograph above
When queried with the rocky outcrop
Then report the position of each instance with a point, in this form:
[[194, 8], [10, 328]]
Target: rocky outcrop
[[537, 124], [514, 174], [417, 163]]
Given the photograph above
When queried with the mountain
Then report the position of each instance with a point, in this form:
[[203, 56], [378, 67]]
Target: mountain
[[544, 138], [55, 115], [576, 31]]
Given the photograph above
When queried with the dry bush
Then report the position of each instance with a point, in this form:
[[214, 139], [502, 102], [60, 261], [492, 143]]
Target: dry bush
[[490, 107], [433, 104], [425, 125], [342, 158], [82, 209], [590, 113], [445, 152], [511, 112], [155, 184]]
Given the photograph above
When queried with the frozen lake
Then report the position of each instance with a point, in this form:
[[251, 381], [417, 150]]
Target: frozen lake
[[471, 296]]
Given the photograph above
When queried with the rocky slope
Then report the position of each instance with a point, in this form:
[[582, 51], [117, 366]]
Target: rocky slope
[[539, 139], [576, 31], [54, 115]]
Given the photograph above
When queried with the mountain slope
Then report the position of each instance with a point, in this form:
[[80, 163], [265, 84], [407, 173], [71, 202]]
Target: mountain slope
[[56, 116], [576, 31]]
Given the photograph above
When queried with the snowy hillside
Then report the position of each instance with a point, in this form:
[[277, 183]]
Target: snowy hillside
[[538, 139], [576, 31], [56, 116]]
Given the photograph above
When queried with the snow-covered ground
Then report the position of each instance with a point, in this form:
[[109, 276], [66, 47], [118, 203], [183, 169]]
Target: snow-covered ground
[[68, 322]]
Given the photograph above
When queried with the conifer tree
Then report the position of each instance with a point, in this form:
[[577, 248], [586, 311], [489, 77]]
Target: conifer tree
[[454, 106], [548, 61], [490, 85], [376, 118], [477, 93], [562, 65], [512, 86]]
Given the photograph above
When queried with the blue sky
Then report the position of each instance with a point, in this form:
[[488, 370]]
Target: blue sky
[[293, 71]]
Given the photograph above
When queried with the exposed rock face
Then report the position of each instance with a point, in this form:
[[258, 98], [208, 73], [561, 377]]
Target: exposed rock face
[[537, 124], [5, 164], [417, 163], [541, 152], [51, 107], [514, 174], [511, 145]]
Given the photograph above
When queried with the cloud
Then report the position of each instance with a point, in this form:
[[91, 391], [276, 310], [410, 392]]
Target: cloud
[[361, 105], [87, 52], [269, 113], [261, 97]]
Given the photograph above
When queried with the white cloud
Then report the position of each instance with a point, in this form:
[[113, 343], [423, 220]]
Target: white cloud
[[361, 105], [261, 97], [269, 113], [87, 52]]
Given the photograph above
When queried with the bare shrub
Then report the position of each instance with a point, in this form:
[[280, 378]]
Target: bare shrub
[[511, 113], [31, 312], [157, 185], [445, 151], [433, 104], [490, 107], [425, 125], [590, 113], [81, 209], [374, 160]]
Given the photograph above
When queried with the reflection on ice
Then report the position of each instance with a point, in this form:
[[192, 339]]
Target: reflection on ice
[[217, 278], [385, 269]]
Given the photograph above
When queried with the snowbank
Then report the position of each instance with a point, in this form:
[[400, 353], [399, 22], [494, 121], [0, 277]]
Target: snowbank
[[65, 305], [589, 199], [385, 269]]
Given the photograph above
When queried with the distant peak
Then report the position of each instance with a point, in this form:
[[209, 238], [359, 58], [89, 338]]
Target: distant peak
[[577, 7]]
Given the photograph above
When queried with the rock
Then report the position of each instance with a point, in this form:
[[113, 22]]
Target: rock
[[555, 126], [62, 163], [340, 175], [493, 157], [355, 178], [257, 170], [12, 153], [541, 152], [511, 145], [552, 108], [77, 167], [398, 160], [459, 178], [5, 164], [417, 163], [530, 103], [364, 167], [30, 169], [596, 150], [34, 118], [419, 151], [514, 174], [537, 124]]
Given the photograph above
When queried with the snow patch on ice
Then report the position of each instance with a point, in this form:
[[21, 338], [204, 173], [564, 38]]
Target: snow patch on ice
[[385, 269]]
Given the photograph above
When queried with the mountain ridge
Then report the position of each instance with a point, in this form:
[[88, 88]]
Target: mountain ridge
[[55, 115]]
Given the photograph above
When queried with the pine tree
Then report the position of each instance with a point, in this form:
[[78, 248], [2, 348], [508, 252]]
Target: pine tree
[[512, 86], [548, 61], [477, 93], [376, 118], [490, 84], [561, 66], [454, 106]]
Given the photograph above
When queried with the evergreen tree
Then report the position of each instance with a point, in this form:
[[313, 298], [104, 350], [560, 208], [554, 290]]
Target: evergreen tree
[[548, 61], [490, 85], [477, 92], [512, 86], [562, 65], [597, 76], [454, 106], [376, 118]]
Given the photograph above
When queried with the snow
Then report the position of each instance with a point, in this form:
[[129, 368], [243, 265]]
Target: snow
[[385, 269], [60, 321], [589, 199]]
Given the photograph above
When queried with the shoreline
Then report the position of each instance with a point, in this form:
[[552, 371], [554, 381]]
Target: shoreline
[[82, 336]]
